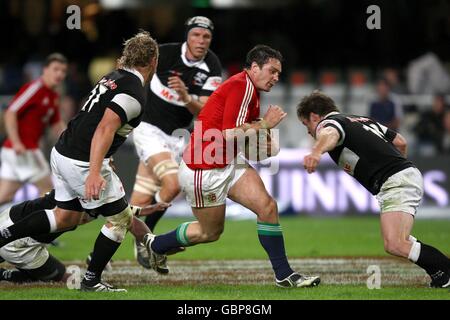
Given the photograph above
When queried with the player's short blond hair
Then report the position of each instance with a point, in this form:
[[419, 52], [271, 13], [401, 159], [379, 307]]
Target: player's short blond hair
[[138, 51]]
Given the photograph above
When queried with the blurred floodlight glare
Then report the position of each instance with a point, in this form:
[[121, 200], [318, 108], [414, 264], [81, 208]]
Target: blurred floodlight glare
[[119, 4]]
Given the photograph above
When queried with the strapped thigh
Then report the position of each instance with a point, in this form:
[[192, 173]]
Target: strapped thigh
[[146, 185], [165, 167]]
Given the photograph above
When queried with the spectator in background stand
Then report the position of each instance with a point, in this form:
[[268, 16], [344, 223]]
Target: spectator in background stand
[[386, 109], [430, 127], [393, 79]]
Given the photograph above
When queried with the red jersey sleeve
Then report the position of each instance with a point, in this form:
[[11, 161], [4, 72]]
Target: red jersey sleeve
[[25, 97], [238, 99]]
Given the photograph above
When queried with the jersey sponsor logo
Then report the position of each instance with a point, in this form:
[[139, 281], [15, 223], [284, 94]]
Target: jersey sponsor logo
[[165, 93], [174, 73], [211, 197], [212, 83], [45, 101], [199, 79], [110, 84], [358, 119], [348, 161]]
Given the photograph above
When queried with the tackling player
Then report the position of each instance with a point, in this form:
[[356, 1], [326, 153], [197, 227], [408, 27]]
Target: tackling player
[[84, 181], [376, 156], [30, 256]]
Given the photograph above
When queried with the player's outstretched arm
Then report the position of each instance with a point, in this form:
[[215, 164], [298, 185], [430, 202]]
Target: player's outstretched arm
[[327, 140]]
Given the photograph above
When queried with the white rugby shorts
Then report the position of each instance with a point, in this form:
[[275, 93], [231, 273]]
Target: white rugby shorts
[[69, 176], [402, 191], [150, 140], [30, 166], [208, 188]]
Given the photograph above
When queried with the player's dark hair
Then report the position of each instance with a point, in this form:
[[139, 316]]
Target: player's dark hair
[[261, 55], [316, 102], [56, 56], [138, 51]]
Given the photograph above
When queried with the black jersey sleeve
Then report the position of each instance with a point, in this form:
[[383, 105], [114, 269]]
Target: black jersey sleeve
[[335, 123], [125, 102], [390, 135], [215, 75]]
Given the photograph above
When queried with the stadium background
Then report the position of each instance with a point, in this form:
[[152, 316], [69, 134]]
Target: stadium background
[[325, 43]]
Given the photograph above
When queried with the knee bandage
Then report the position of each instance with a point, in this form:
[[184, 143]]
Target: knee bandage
[[165, 167], [120, 223], [146, 185]]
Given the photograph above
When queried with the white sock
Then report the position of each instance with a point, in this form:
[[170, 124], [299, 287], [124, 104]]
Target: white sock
[[414, 254], [110, 234], [158, 197], [52, 220]]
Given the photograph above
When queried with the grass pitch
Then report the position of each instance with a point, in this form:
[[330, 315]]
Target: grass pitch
[[236, 268]]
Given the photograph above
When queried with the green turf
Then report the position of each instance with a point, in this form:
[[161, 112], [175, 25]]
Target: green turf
[[304, 237], [228, 292]]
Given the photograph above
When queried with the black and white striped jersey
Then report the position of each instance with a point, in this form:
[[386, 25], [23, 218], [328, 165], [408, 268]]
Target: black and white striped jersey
[[365, 149], [123, 92], [164, 108]]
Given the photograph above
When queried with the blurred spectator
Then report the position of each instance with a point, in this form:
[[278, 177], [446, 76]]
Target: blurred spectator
[[430, 128], [446, 135], [77, 87], [427, 75], [386, 109], [393, 79]]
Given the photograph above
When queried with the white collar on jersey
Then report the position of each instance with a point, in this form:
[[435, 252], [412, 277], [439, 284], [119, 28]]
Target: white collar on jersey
[[331, 114], [199, 64], [136, 73]]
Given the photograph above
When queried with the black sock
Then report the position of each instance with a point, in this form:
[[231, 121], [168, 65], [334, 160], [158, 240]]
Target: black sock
[[432, 260], [153, 219], [35, 224], [104, 249], [16, 276]]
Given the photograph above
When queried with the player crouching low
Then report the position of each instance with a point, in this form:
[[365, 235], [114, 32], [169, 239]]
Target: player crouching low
[[30, 256]]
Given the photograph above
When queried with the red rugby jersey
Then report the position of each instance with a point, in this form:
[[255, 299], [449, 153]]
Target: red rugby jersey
[[36, 107], [234, 103]]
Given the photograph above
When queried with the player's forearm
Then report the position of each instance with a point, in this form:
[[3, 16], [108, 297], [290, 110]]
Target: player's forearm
[[194, 106], [100, 145], [11, 127], [241, 130], [326, 141]]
